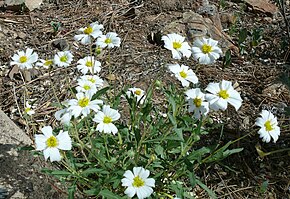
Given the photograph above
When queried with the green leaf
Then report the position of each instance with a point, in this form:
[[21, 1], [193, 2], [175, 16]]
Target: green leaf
[[242, 35], [71, 192], [61, 173], [228, 58], [108, 194], [179, 133], [287, 111], [100, 92], [159, 151], [94, 170], [198, 154], [231, 151], [92, 192], [264, 186], [172, 119], [209, 191]]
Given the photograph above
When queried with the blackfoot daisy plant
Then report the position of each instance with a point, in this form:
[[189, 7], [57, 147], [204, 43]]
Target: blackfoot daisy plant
[[138, 183], [206, 51], [104, 133], [63, 59], [50, 144], [177, 44], [24, 60], [220, 94], [269, 126], [183, 74], [89, 33]]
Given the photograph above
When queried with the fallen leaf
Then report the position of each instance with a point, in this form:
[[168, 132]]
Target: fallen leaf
[[13, 71]]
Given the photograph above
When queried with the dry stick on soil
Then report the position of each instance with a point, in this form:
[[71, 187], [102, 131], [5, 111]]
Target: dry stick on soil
[[283, 11], [15, 98]]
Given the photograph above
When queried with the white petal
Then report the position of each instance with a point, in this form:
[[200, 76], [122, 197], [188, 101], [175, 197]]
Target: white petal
[[128, 174], [150, 182], [64, 141], [54, 154], [47, 131], [130, 192], [40, 142]]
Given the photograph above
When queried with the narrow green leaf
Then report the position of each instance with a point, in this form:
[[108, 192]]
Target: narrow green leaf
[[71, 192], [61, 173], [208, 190], [108, 194]]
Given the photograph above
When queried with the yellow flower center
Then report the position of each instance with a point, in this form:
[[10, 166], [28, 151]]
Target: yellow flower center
[[206, 48], [197, 102], [107, 120], [108, 41], [98, 50], [183, 74], [23, 59], [48, 62], [27, 109], [92, 80], [138, 182], [63, 58], [84, 102], [89, 64], [137, 92], [268, 125], [87, 87], [51, 142], [88, 30], [224, 94], [176, 45]]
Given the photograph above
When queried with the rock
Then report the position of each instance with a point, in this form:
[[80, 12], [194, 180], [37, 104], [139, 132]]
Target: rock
[[17, 4], [18, 195], [10, 133], [60, 44], [195, 26], [14, 2], [263, 6], [33, 4]]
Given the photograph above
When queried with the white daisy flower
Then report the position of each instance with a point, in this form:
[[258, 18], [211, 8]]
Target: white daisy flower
[[94, 79], [89, 64], [269, 126], [24, 60], [105, 118], [92, 31], [45, 63], [63, 59], [183, 74], [50, 144], [109, 40], [197, 103], [206, 51], [83, 105], [86, 87], [221, 94], [63, 115], [138, 93], [28, 109], [177, 45], [137, 182]]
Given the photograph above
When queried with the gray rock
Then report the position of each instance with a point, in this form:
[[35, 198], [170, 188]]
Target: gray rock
[[10, 133]]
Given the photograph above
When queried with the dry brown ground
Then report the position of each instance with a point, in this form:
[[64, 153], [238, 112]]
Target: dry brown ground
[[137, 62]]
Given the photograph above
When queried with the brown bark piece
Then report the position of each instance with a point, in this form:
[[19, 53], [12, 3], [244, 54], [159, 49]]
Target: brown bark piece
[[263, 6]]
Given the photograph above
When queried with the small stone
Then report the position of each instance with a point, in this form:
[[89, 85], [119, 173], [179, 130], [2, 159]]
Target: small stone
[[18, 195], [60, 44]]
